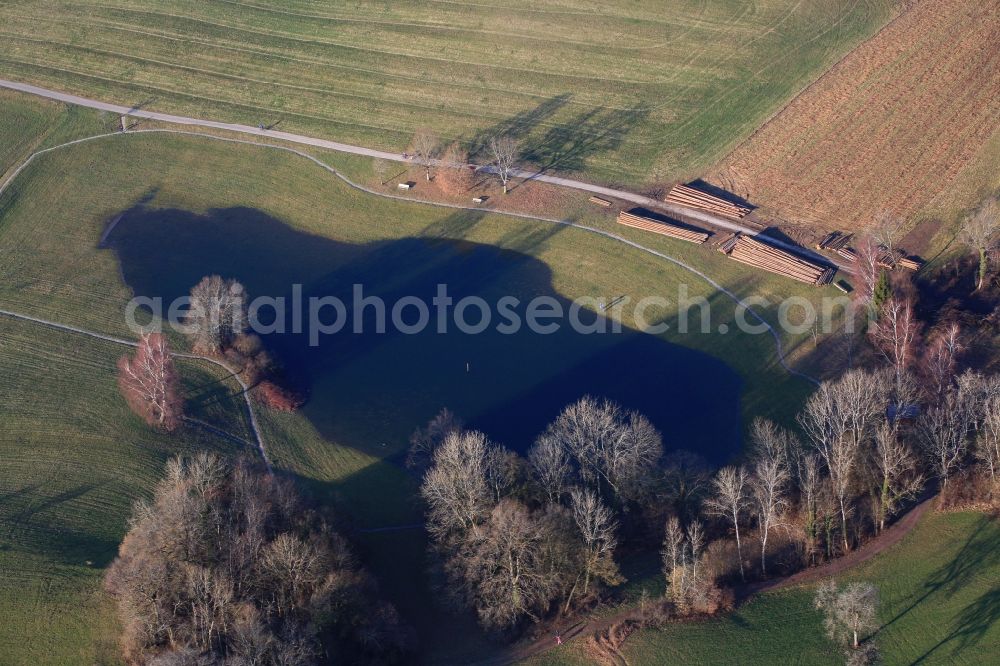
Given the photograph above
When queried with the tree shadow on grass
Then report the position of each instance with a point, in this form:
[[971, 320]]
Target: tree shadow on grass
[[519, 126], [973, 624], [566, 144], [370, 388], [979, 553], [26, 528]]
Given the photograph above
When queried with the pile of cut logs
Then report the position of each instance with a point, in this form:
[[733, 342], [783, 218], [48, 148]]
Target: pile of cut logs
[[692, 198], [661, 226], [756, 253], [837, 241]]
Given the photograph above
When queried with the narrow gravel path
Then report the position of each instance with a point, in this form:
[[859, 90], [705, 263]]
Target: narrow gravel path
[[625, 195], [258, 439], [779, 350]]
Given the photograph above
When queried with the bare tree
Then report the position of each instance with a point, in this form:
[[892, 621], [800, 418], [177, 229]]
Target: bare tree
[[424, 441], [217, 313], [150, 383], [456, 489], [696, 546], [424, 147], [837, 418], [866, 267], [980, 233], [682, 553], [885, 230], [685, 483], [895, 333], [505, 573], [768, 487], [610, 446], [674, 555], [503, 470], [809, 481], [848, 612], [455, 177], [770, 440], [597, 528], [894, 473], [225, 563], [504, 150], [550, 465], [987, 449], [380, 168], [943, 433], [940, 359], [730, 501], [828, 514]]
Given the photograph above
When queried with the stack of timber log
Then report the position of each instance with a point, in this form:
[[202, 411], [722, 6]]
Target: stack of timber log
[[600, 201], [636, 218], [887, 258], [837, 242], [727, 243], [756, 253], [692, 198], [833, 241], [848, 253]]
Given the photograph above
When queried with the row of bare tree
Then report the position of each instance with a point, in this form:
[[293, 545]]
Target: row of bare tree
[[866, 452], [226, 564], [518, 538], [456, 175]]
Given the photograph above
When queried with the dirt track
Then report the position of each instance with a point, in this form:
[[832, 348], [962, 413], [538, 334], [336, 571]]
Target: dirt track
[[587, 628]]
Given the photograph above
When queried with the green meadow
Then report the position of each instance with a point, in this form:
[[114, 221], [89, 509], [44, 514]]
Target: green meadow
[[620, 91], [77, 458]]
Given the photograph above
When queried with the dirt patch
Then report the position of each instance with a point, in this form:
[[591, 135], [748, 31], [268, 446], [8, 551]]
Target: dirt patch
[[528, 197], [918, 239], [887, 128]]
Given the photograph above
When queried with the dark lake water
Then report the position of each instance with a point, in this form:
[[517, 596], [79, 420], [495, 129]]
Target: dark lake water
[[371, 389]]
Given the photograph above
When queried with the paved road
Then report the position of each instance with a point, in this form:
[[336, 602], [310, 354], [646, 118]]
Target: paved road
[[632, 197]]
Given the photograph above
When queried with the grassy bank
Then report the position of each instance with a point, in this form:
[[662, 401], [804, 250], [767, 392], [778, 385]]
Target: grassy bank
[[938, 604], [75, 458], [52, 265]]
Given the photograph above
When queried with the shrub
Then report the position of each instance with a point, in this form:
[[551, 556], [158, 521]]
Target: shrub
[[278, 398]]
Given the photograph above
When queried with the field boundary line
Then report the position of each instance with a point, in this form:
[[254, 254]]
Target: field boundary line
[[779, 349], [254, 427], [809, 86]]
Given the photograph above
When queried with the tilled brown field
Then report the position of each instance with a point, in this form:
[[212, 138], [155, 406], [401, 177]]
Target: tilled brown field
[[887, 128]]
